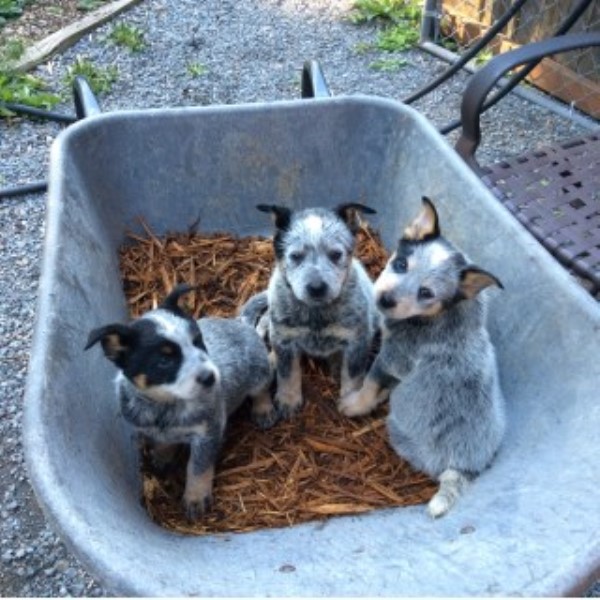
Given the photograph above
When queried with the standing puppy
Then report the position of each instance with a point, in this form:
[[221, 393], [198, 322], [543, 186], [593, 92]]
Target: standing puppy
[[447, 415], [320, 298], [179, 380]]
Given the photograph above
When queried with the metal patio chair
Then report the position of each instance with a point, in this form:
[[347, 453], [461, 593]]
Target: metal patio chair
[[554, 192]]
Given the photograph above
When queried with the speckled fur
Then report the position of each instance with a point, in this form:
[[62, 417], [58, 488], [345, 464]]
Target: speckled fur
[[447, 412], [221, 363], [320, 298]]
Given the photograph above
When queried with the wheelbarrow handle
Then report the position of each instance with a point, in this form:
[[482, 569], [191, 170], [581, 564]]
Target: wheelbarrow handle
[[314, 84], [484, 80], [86, 104]]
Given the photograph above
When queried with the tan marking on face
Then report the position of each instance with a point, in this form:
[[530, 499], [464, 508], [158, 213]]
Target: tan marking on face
[[289, 390], [198, 487], [141, 381], [405, 309], [166, 349]]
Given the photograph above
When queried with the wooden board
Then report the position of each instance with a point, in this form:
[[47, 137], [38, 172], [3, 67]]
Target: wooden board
[[62, 39]]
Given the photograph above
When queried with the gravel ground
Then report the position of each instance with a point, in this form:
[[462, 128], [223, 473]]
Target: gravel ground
[[251, 51]]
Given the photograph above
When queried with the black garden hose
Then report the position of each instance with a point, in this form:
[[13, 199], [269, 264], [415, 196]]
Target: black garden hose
[[86, 105]]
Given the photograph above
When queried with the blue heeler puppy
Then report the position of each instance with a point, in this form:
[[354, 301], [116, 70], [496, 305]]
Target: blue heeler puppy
[[320, 298], [447, 414], [179, 380]]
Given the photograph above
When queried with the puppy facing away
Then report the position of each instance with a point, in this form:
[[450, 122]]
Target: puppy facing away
[[320, 299], [179, 380], [447, 414]]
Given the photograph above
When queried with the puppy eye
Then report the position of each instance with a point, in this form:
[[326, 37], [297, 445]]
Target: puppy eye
[[198, 341], [425, 293], [400, 264], [297, 257], [335, 256]]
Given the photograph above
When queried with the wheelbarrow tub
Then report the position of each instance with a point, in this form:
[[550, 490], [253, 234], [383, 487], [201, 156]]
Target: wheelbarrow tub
[[529, 525]]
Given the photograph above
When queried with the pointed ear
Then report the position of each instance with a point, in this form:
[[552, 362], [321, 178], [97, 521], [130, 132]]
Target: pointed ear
[[282, 215], [117, 341], [171, 302], [426, 225], [350, 214], [473, 280]]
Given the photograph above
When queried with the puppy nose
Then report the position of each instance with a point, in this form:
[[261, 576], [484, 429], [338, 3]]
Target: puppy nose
[[386, 300], [317, 290], [207, 379]]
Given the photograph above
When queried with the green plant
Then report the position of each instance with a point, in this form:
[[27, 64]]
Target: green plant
[[483, 57], [397, 37], [390, 64], [196, 69], [9, 9], [128, 36], [10, 51], [395, 11], [22, 88], [100, 79], [87, 5], [403, 18]]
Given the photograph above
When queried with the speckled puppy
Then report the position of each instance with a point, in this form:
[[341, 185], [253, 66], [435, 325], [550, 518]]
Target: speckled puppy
[[447, 414], [179, 380], [320, 298]]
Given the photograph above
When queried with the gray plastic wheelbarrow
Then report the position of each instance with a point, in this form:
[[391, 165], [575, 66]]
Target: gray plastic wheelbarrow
[[530, 525]]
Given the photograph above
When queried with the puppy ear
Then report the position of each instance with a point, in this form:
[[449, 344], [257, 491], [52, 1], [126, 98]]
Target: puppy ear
[[171, 302], [282, 215], [350, 214], [473, 280], [426, 224], [117, 341]]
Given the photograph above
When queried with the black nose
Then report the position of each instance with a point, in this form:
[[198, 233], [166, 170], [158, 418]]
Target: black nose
[[317, 290], [386, 300], [206, 379]]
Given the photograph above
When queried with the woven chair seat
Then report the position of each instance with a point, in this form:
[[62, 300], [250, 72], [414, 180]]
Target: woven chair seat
[[555, 193]]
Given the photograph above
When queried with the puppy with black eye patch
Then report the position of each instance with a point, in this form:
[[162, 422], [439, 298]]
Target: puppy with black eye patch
[[447, 415], [180, 379], [319, 299]]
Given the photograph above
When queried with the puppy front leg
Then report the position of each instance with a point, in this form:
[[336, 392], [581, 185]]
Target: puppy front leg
[[197, 497], [375, 389], [353, 367], [289, 381]]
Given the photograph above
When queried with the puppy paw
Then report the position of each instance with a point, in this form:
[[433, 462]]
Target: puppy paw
[[356, 404], [288, 404], [439, 505], [265, 419], [195, 509]]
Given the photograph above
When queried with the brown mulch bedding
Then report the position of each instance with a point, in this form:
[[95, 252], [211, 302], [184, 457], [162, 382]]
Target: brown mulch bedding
[[316, 465]]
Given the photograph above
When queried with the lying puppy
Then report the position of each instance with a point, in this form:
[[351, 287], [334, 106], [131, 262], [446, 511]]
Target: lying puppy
[[447, 415], [320, 298], [179, 380]]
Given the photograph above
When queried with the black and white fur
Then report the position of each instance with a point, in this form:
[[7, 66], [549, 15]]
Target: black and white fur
[[447, 413], [179, 380], [320, 298]]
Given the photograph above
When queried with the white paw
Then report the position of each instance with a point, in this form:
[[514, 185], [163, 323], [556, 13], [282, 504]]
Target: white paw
[[353, 405], [439, 505]]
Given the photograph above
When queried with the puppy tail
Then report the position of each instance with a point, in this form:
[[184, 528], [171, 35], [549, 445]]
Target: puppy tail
[[452, 486], [254, 308]]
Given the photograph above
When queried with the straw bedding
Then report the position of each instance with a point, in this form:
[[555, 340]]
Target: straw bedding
[[316, 465]]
